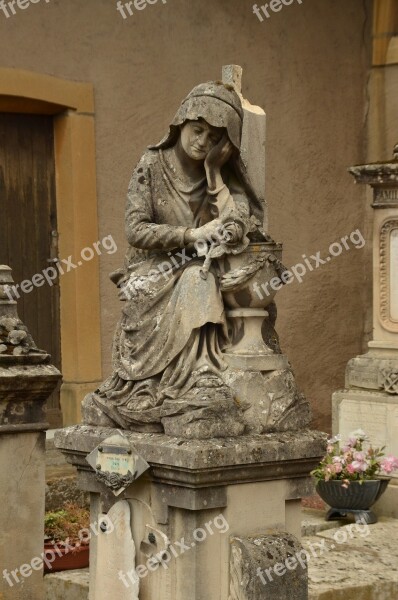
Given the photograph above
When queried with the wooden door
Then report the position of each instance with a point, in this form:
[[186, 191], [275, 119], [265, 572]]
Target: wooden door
[[28, 227]]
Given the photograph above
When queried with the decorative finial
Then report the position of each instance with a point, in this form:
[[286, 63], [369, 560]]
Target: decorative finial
[[15, 339]]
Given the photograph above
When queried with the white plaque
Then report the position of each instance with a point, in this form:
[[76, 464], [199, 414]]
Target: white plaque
[[117, 464], [379, 420], [394, 275]]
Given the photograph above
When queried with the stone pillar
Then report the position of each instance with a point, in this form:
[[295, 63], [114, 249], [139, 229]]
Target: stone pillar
[[201, 506], [26, 380], [370, 400], [253, 136]]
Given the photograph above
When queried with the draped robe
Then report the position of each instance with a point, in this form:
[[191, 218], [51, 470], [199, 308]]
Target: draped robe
[[172, 330]]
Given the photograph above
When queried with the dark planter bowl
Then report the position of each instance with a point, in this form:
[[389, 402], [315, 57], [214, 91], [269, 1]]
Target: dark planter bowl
[[76, 559], [357, 496]]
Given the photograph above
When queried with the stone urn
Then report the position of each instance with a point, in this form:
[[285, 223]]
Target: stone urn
[[246, 300]]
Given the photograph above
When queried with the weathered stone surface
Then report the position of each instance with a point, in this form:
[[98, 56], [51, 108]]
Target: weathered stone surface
[[115, 555], [249, 480], [369, 372], [280, 449], [355, 563], [182, 317], [211, 420], [24, 391], [271, 400], [270, 565], [26, 380], [67, 585], [15, 338], [21, 517], [313, 521], [26, 377]]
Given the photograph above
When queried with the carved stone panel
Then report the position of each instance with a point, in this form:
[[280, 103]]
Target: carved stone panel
[[389, 275]]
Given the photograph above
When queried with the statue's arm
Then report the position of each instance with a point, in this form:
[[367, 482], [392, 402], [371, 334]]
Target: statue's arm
[[141, 230]]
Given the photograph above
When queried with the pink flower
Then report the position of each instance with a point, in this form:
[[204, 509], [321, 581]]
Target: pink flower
[[350, 469], [360, 456], [330, 449], [389, 464], [359, 465]]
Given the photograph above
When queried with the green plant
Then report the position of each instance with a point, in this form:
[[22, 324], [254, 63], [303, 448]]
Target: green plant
[[66, 523]]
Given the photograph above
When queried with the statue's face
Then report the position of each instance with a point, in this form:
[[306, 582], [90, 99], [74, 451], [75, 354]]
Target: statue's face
[[198, 138]]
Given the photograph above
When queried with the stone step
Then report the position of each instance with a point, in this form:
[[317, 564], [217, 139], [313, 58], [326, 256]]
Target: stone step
[[354, 562], [67, 585], [313, 521]]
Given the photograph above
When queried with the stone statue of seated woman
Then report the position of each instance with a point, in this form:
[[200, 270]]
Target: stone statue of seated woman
[[189, 206]]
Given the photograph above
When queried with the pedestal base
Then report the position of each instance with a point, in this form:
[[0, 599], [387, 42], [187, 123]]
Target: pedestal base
[[361, 516], [195, 498], [270, 398], [376, 370]]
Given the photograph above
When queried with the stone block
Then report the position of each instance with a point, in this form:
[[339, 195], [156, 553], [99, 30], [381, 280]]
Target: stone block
[[272, 565], [67, 585]]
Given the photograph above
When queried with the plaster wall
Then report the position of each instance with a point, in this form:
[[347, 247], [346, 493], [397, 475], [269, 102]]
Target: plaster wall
[[23, 489], [307, 65]]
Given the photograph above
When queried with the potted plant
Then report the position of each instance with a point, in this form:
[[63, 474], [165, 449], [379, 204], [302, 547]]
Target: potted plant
[[350, 478], [66, 539]]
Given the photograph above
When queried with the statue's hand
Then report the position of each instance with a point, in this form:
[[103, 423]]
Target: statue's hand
[[210, 231], [215, 160]]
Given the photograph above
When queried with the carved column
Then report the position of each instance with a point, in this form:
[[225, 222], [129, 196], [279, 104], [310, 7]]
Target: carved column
[[26, 380], [371, 398]]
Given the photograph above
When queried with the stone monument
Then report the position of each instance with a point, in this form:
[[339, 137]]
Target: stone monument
[[211, 426], [370, 400], [26, 381]]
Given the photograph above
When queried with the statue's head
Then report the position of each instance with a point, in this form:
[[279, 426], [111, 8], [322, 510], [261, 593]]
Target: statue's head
[[210, 108]]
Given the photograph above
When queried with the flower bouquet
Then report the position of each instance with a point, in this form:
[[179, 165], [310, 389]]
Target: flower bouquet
[[351, 477]]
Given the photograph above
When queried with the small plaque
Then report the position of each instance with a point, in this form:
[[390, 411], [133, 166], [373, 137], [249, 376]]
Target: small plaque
[[385, 197], [116, 463]]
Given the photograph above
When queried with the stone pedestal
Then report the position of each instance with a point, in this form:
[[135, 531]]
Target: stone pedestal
[[370, 400], [26, 381], [199, 499]]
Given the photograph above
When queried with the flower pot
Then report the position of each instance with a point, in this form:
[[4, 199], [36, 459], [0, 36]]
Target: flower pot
[[64, 559], [355, 497]]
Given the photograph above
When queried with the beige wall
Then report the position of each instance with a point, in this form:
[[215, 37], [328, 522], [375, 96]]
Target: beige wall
[[307, 66]]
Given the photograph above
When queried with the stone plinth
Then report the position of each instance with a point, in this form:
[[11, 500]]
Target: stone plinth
[[370, 398], [216, 489], [26, 380]]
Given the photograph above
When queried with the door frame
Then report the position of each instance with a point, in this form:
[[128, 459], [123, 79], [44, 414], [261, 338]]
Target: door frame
[[72, 106]]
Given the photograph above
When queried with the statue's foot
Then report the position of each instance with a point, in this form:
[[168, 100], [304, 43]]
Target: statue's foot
[[203, 413], [205, 377], [215, 427]]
